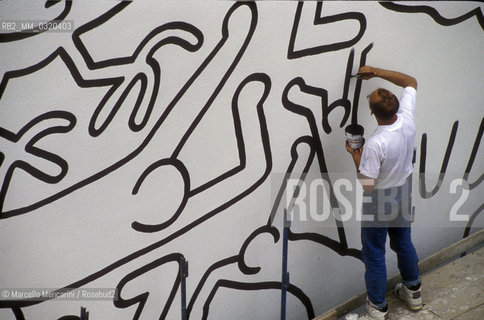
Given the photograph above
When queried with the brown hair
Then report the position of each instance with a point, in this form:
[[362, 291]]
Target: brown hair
[[388, 105]]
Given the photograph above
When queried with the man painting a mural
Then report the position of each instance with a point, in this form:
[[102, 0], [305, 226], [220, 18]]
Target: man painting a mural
[[154, 149], [384, 167]]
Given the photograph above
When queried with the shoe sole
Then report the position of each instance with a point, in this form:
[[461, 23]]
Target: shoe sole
[[415, 308], [410, 306]]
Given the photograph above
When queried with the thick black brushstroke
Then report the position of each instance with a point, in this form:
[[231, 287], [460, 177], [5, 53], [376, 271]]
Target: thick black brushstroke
[[206, 275], [262, 78], [356, 97], [336, 246], [15, 36], [268, 166], [423, 156], [235, 285], [177, 234], [241, 262], [50, 3], [307, 113], [138, 226], [19, 315], [319, 19], [115, 82], [76, 38], [472, 157], [156, 69], [467, 230], [225, 34], [294, 159], [60, 52], [141, 299], [37, 152], [339, 247], [434, 14], [239, 259], [327, 242], [332, 244], [257, 77], [91, 64]]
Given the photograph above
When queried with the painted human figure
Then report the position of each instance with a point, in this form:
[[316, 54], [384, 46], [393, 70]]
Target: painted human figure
[[384, 167]]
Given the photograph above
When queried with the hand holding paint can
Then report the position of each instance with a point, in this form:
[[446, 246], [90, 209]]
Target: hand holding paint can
[[354, 136]]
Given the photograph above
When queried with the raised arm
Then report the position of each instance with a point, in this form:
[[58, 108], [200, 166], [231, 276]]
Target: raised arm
[[397, 78]]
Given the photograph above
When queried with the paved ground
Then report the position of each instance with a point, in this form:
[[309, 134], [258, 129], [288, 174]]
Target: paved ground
[[454, 291]]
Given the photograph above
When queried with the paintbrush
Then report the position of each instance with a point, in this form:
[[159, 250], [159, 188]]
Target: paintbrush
[[360, 75]]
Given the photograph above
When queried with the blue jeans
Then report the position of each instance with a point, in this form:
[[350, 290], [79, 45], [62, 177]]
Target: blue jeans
[[390, 210]]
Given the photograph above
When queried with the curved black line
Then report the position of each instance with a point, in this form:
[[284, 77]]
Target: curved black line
[[239, 259], [472, 157], [326, 241], [155, 67], [294, 158], [203, 280], [175, 235], [61, 53], [423, 156], [143, 79], [94, 132], [259, 77], [467, 230], [344, 101], [15, 36], [142, 298], [321, 20], [241, 262], [114, 83], [37, 152], [256, 77], [267, 155], [356, 97], [339, 247], [434, 14], [19, 315], [94, 24], [238, 57], [141, 227], [50, 3], [295, 291], [307, 113]]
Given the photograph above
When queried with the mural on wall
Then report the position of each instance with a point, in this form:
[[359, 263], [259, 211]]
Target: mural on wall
[[72, 121]]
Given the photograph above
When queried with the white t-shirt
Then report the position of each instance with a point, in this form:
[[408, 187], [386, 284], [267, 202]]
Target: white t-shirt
[[387, 154]]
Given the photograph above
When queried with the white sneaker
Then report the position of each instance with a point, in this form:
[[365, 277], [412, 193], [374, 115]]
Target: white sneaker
[[413, 298], [372, 313]]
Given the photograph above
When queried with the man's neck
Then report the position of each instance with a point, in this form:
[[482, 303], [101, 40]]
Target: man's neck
[[387, 122]]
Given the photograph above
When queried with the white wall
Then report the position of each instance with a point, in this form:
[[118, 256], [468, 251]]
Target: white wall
[[96, 194]]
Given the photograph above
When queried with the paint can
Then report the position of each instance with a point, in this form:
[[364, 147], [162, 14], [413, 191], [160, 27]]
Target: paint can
[[354, 136]]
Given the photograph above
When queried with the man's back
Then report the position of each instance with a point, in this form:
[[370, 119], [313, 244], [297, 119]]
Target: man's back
[[387, 155]]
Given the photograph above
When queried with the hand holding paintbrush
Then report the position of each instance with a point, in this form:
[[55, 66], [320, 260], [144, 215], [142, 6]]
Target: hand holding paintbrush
[[365, 72]]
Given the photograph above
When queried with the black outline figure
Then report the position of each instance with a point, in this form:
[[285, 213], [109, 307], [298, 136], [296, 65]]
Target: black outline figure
[[319, 19], [434, 14]]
